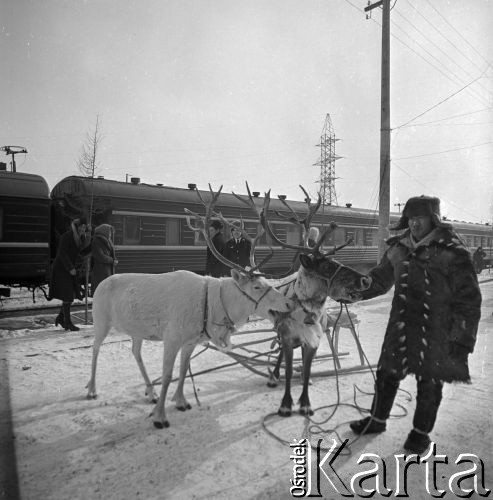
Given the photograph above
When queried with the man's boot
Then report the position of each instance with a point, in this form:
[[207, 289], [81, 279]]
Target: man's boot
[[68, 320], [428, 401], [385, 391]]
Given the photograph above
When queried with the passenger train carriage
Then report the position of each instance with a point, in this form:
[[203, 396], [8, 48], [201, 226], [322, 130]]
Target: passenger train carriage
[[24, 229], [151, 233]]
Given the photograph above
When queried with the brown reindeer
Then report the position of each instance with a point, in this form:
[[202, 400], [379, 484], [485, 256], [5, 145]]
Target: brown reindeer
[[319, 276]]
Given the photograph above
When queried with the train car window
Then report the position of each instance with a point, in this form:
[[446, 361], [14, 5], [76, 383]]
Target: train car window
[[189, 237], [251, 229], [172, 231], [369, 237], [280, 230], [153, 231], [358, 237], [351, 235], [131, 230], [339, 236], [117, 223], [330, 239], [293, 235]]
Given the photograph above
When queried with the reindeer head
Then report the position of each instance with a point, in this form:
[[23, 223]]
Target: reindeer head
[[249, 280], [343, 283]]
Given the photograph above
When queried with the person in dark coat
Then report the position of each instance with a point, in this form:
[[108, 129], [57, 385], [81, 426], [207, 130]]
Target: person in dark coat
[[237, 249], [214, 267], [63, 283], [478, 259], [433, 320], [103, 255]]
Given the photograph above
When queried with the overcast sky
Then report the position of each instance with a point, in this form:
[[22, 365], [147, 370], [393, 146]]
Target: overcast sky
[[224, 91]]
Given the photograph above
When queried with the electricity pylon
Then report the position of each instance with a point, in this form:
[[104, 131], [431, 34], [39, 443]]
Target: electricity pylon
[[327, 162]]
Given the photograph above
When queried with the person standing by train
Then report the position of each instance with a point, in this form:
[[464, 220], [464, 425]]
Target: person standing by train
[[214, 267], [103, 255], [63, 283], [478, 259], [237, 248], [433, 320]]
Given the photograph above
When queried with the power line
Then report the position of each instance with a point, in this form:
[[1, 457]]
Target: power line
[[446, 151], [459, 33], [421, 56], [438, 104], [452, 117], [466, 56]]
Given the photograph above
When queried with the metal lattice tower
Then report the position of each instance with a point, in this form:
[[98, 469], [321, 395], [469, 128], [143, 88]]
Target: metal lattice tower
[[327, 163]]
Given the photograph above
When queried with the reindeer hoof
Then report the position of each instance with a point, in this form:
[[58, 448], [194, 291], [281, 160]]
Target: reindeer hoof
[[186, 407], [284, 412], [161, 425], [151, 397], [92, 396], [306, 410]]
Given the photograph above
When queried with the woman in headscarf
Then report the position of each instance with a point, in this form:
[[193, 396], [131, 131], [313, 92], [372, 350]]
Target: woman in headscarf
[[63, 283], [103, 255]]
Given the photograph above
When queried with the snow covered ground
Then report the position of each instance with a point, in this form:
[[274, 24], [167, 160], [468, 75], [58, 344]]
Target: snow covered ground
[[232, 445]]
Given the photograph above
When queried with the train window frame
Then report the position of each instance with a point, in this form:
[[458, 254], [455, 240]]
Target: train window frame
[[129, 240], [172, 231]]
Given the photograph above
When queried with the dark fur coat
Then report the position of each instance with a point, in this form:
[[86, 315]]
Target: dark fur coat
[[435, 309]]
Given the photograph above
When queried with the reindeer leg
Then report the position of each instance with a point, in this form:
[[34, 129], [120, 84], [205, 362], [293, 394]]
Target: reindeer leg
[[275, 374], [136, 351], [287, 400], [100, 333], [181, 403], [170, 351], [308, 353]]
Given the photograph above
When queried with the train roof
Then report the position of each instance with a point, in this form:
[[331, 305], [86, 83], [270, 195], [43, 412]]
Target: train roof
[[22, 185], [85, 186], [99, 187]]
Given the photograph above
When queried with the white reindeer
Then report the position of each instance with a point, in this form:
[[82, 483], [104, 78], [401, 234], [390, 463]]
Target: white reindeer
[[181, 309]]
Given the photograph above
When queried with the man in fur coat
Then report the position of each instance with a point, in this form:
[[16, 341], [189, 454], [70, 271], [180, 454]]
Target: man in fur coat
[[433, 320]]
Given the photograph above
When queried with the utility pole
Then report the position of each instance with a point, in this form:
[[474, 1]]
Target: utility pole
[[384, 192], [13, 150], [327, 163]]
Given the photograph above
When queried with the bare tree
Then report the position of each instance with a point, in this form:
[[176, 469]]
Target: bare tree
[[88, 161], [88, 165]]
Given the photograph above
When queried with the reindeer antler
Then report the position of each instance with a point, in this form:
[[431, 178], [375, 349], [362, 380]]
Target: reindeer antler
[[304, 223], [204, 222]]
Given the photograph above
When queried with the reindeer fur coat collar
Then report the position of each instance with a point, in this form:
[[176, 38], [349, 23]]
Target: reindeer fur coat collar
[[436, 304]]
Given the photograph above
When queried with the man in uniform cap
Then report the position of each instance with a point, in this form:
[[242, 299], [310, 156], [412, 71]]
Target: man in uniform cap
[[433, 320], [237, 249]]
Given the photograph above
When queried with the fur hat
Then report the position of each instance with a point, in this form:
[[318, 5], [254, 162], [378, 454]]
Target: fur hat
[[421, 205], [217, 225]]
